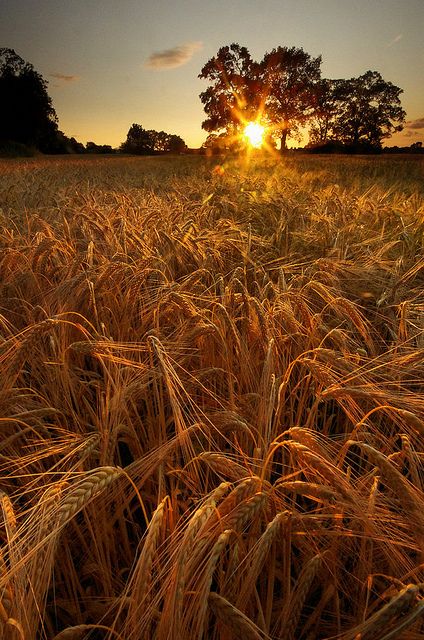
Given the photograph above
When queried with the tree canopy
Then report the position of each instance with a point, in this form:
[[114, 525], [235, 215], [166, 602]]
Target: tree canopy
[[142, 141], [285, 92], [26, 112], [233, 95], [359, 111], [279, 90], [289, 77]]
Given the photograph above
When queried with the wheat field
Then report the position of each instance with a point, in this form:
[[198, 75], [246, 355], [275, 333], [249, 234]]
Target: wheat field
[[212, 400]]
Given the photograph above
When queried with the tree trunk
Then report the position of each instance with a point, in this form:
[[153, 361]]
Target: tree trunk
[[283, 140]]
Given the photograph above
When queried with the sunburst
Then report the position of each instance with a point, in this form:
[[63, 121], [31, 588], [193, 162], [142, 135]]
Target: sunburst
[[254, 133]]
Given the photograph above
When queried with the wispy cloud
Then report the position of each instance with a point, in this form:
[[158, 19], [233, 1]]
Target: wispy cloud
[[415, 124], [395, 40], [64, 78], [175, 57]]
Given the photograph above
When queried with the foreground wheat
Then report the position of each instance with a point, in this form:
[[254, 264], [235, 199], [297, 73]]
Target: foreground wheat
[[212, 405]]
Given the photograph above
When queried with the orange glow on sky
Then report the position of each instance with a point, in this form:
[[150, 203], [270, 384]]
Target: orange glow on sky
[[110, 64]]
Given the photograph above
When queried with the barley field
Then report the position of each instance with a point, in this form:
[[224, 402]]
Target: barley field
[[212, 399]]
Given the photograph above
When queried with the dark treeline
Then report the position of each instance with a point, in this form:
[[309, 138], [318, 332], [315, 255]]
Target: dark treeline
[[29, 123], [149, 142], [284, 91], [27, 117]]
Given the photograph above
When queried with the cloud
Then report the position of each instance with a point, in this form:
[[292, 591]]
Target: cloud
[[415, 124], [64, 78], [175, 57], [395, 40]]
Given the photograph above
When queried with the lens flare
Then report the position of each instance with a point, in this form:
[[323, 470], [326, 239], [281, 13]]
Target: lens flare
[[254, 133]]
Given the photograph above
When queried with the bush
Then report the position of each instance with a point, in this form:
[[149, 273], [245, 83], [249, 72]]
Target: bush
[[12, 149]]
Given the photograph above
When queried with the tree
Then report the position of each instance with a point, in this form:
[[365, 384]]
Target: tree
[[289, 78], [148, 141], [359, 112], [325, 111], [92, 147], [167, 143], [176, 144], [279, 90], [139, 141], [159, 140], [73, 146], [233, 97], [370, 110], [26, 112]]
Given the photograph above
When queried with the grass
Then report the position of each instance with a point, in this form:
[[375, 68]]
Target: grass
[[212, 405]]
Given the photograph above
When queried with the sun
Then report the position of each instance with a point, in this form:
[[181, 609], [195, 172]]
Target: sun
[[254, 133]]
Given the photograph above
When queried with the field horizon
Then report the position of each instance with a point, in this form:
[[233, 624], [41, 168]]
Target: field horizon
[[212, 400]]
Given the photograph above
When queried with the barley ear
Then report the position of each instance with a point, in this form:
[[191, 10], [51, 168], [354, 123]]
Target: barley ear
[[8, 514], [300, 592], [79, 496], [142, 572], [234, 619]]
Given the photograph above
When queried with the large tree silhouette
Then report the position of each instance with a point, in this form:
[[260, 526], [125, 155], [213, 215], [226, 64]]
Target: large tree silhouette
[[26, 112], [357, 112], [233, 97], [289, 78], [369, 110], [286, 93], [279, 90]]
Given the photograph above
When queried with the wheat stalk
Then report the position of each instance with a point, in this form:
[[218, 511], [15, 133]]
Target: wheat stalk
[[406, 621], [258, 556], [223, 465], [204, 590], [399, 485], [297, 600], [79, 496], [141, 579], [319, 492], [8, 514], [412, 420], [399, 605], [234, 619]]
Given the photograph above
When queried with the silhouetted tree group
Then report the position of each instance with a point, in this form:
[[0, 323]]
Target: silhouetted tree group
[[285, 92], [26, 112], [92, 147], [148, 141], [362, 110], [28, 120]]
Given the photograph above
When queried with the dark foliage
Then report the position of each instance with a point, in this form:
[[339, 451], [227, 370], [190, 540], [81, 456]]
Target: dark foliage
[[101, 149], [290, 78], [234, 94], [142, 141], [26, 112], [359, 112], [285, 92], [279, 90]]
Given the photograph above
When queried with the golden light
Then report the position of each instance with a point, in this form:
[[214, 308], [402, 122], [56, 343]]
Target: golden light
[[254, 133]]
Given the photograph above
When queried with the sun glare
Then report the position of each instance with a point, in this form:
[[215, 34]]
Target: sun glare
[[254, 133]]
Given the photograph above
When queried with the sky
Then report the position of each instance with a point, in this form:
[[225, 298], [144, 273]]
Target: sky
[[112, 63]]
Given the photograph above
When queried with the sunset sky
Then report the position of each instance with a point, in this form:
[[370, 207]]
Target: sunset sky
[[110, 63]]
